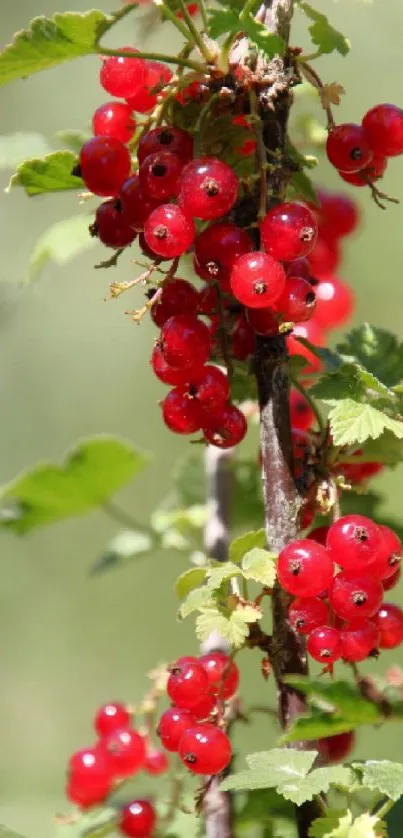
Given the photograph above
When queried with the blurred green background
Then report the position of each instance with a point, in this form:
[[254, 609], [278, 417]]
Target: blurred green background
[[74, 365]]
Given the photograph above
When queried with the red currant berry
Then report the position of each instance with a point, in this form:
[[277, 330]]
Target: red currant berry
[[135, 206], [114, 119], [187, 683], [354, 542], [334, 302], [348, 148], [208, 188], [125, 751], [168, 231], [383, 126], [392, 581], [389, 620], [218, 247], [181, 414], [305, 568], [105, 164], [355, 597], [298, 300], [90, 765], [324, 644], [137, 819], [389, 556], [242, 339], [336, 748], [307, 614], [164, 372], [156, 762], [111, 717], [338, 215], [319, 534], [359, 472], [301, 413], [203, 709], [358, 640], [263, 321], [312, 332], [289, 231], [225, 428], [110, 227], [370, 174], [205, 749], [325, 256], [208, 300], [86, 794], [158, 175], [172, 725], [298, 267], [158, 75], [210, 386], [166, 138], [177, 297], [149, 252], [223, 674], [257, 280], [123, 77], [186, 342]]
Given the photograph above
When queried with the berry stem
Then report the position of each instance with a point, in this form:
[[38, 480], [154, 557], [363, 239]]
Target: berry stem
[[203, 14], [316, 82], [154, 56], [177, 21]]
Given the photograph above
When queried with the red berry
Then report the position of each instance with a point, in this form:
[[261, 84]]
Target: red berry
[[177, 297], [110, 226], [334, 302], [389, 620], [225, 428], [324, 644], [358, 472], [257, 280], [307, 614], [137, 819], [210, 387], [301, 413], [168, 231], [354, 542], [348, 148], [135, 206], [208, 188], [186, 342], [338, 214], [298, 267], [392, 581], [358, 640], [111, 717], [205, 749], [319, 534], [187, 683], [166, 138], [164, 372], [125, 751], [305, 568], [157, 75], [389, 555], [383, 126], [336, 748], [203, 709], [374, 171], [181, 413], [158, 175], [86, 794], [208, 300], [289, 231], [355, 597], [218, 247], [114, 119], [298, 300], [262, 321], [223, 674], [325, 256], [156, 762], [123, 77], [105, 164], [149, 252], [172, 725], [242, 339], [89, 764]]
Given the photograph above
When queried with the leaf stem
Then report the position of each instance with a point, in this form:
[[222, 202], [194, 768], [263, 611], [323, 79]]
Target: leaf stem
[[305, 393], [154, 56], [247, 10], [384, 809], [203, 15], [173, 18], [197, 38]]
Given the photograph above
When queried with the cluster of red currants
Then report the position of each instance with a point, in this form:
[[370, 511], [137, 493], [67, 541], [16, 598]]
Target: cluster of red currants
[[343, 613], [361, 152], [192, 726]]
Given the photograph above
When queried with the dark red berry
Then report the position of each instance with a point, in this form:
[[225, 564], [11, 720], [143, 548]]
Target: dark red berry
[[110, 226], [324, 644], [208, 300], [172, 725], [354, 597], [181, 414], [223, 674], [348, 147], [305, 568], [138, 819], [210, 386], [289, 231], [338, 214], [359, 472], [389, 621], [383, 125], [336, 748], [358, 640], [105, 164], [301, 413], [168, 231], [263, 321], [205, 749], [319, 534], [226, 427], [164, 372], [187, 683], [177, 297], [298, 300], [208, 188], [156, 762], [242, 339], [392, 581], [218, 247], [111, 717], [135, 206], [158, 175], [374, 171], [257, 280], [354, 542], [307, 614], [157, 76], [125, 750], [114, 119], [186, 342], [389, 556], [123, 77], [166, 138], [334, 302]]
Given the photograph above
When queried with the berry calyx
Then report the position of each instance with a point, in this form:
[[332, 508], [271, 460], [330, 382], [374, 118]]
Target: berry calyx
[[138, 819], [187, 683], [114, 119], [354, 542], [168, 231], [123, 77], [354, 597], [257, 280], [208, 188], [111, 717], [289, 231], [223, 674], [172, 725], [104, 164], [305, 568], [348, 147], [185, 342], [205, 749], [307, 614], [324, 644], [389, 621], [226, 427]]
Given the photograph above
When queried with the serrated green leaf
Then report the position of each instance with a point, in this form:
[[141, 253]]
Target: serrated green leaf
[[60, 243], [383, 776], [324, 36], [336, 824], [267, 42], [367, 826], [223, 572], [14, 148], [195, 600], [92, 471], [52, 173], [189, 581], [352, 423], [317, 782], [343, 383], [247, 780], [125, 546], [223, 22], [51, 41], [288, 761], [260, 565], [377, 350], [234, 628], [240, 546], [315, 724], [338, 697]]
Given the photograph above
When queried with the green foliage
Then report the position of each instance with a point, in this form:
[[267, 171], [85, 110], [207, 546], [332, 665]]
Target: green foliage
[[228, 20], [259, 565], [342, 824], [263, 813], [353, 423], [240, 546], [325, 37], [234, 628], [52, 173], [92, 471], [189, 580], [125, 546], [60, 243], [382, 776], [96, 823], [377, 350]]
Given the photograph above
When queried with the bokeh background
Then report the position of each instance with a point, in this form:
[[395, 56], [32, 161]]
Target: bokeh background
[[73, 365]]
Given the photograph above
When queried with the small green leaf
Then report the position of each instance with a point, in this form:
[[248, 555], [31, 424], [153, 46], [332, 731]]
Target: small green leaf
[[223, 22], [367, 826], [72, 139], [197, 599], [52, 173], [267, 42], [324, 36], [315, 724], [304, 188], [377, 350], [189, 580], [15, 148], [247, 780], [92, 471], [338, 697], [287, 761], [343, 383], [260, 565], [244, 543], [317, 782], [60, 243], [352, 423], [383, 776], [234, 628], [221, 573], [125, 546], [336, 824]]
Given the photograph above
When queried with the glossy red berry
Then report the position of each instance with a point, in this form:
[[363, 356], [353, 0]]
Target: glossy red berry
[[334, 302], [111, 717], [242, 339], [210, 386], [125, 750], [222, 672], [208, 188], [289, 231], [203, 709], [156, 762], [257, 280], [186, 342], [336, 748], [157, 76], [208, 300], [389, 556], [359, 472], [383, 126], [166, 138], [298, 300], [135, 206], [172, 725], [165, 373], [374, 171], [149, 252], [187, 683], [348, 147], [205, 749], [218, 247], [301, 413], [338, 214], [358, 640], [325, 256], [307, 614], [263, 321], [226, 427], [138, 819], [89, 764], [392, 581], [105, 164], [324, 644], [181, 414], [123, 77], [354, 597], [114, 119], [354, 542], [168, 231], [305, 568], [177, 297], [158, 175], [86, 794], [389, 620], [110, 227]]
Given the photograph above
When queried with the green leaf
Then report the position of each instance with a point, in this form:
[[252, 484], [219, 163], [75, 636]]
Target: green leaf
[[234, 628], [385, 449], [14, 148], [336, 824], [324, 36], [316, 724], [367, 826], [189, 580], [343, 383], [72, 139], [221, 573], [125, 546], [304, 188], [195, 600], [383, 776], [92, 471], [60, 243], [352, 423], [260, 565], [240, 546], [267, 42], [51, 41], [52, 173], [223, 22], [287, 762], [377, 350]]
